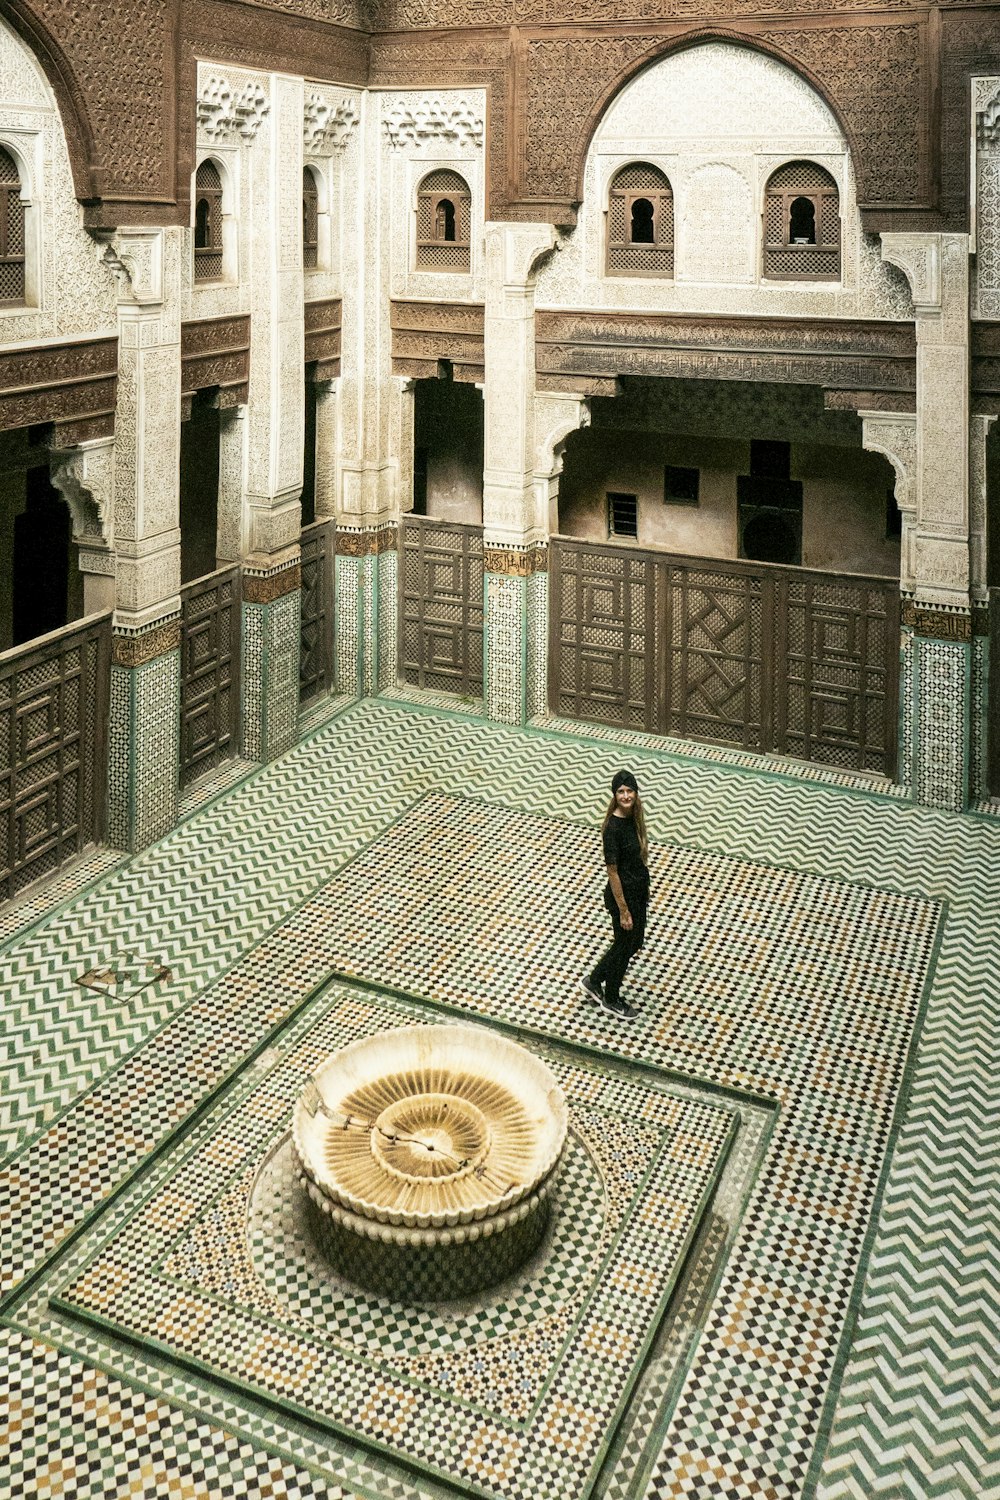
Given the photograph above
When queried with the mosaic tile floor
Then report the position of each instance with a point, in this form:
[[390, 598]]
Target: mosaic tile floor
[[746, 997]]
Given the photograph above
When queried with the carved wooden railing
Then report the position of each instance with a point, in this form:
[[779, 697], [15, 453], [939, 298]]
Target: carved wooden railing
[[53, 750]]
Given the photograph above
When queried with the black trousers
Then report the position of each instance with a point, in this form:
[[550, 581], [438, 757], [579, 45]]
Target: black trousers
[[611, 970]]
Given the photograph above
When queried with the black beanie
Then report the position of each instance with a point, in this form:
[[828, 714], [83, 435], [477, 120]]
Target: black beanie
[[623, 778]]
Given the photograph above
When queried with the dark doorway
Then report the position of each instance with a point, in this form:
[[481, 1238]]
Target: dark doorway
[[42, 535], [448, 451], [199, 485]]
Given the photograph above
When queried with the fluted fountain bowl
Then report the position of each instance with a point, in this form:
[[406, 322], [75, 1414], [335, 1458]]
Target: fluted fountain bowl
[[440, 1143]]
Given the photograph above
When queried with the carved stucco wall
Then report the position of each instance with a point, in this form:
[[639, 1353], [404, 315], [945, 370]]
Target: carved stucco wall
[[75, 293], [718, 119], [986, 116]]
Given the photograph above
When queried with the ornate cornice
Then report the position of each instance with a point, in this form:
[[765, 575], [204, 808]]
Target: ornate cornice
[[225, 112], [327, 127], [848, 354], [323, 336], [73, 385], [433, 119], [422, 333], [216, 352]]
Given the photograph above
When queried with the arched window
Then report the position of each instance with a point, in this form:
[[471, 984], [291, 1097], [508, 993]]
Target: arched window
[[640, 222], [444, 219], [310, 219], [208, 257], [801, 224], [11, 233]]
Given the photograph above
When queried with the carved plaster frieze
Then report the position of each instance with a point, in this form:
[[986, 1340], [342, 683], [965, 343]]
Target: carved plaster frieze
[[433, 119], [326, 126], [556, 416], [84, 476], [224, 112], [918, 256], [894, 435]]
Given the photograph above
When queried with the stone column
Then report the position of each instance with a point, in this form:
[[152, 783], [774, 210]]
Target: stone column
[[275, 426], [144, 715], [937, 605], [513, 530]]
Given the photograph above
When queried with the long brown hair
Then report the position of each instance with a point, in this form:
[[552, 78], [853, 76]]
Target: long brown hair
[[638, 818]]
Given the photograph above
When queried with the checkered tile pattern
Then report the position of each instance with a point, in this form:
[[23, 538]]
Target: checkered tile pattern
[[91, 1088]]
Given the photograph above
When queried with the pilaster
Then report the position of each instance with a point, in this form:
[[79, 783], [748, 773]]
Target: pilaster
[[275, 422], [936, 573], [144, 715], [513, 529]]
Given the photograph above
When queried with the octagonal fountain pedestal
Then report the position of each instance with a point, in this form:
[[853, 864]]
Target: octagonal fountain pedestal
[[429, 1155]]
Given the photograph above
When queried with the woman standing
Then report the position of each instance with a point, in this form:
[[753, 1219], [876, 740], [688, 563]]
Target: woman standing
[[626, 895]]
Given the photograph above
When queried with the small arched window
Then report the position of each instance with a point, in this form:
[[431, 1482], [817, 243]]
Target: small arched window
[[208, 255], [444, 220], [310, 219], [11, 233], [801, 224], [640, 222]]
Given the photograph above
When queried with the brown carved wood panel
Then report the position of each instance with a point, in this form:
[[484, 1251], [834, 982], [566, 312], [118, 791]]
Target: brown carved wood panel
[[763, 658], [53, 751], [316, 629], [602, 614], [210, 671], [324, 322], [836, 654], [441, 605], [713, 648]]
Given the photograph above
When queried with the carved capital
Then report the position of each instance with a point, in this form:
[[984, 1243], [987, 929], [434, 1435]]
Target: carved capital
[[918, 256], [514, 252], [326, 126], [225, 112], [84, 476], [431, 119]]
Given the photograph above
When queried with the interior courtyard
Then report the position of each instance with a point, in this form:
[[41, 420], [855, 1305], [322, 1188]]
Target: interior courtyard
[[412, 414]]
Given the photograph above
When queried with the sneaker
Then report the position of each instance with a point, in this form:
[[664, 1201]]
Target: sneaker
[[616, 1006], [592, 989]]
